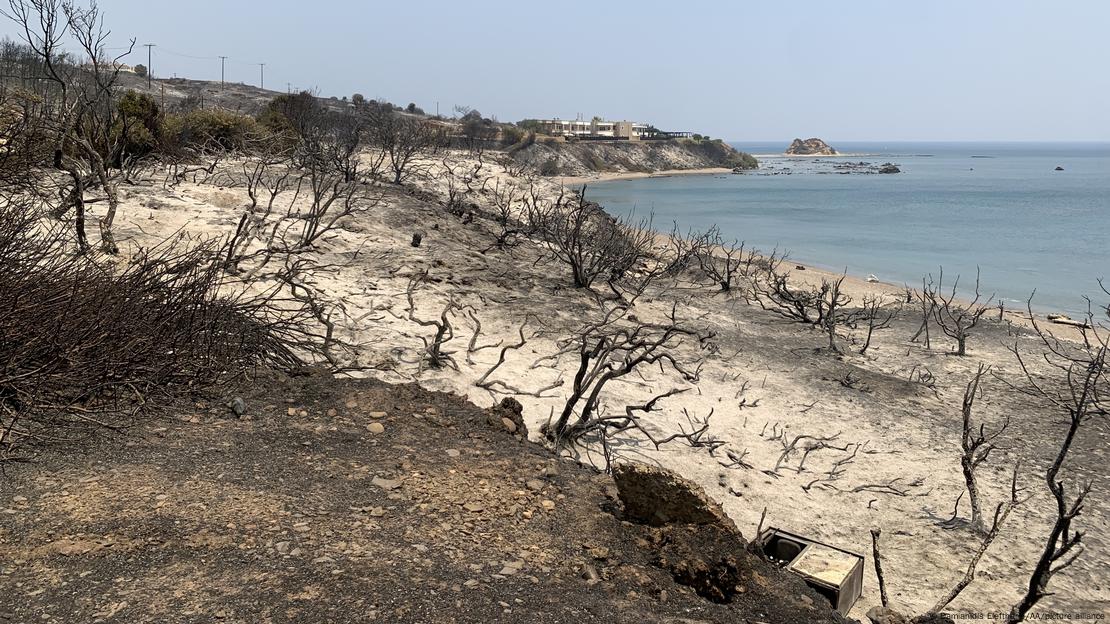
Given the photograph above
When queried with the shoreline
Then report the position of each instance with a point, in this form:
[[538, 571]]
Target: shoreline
[[1018, 314], [857, 285], [638, 175], [836, 155]]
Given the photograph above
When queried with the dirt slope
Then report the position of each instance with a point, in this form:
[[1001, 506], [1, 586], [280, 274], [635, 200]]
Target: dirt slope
[[351, 502]]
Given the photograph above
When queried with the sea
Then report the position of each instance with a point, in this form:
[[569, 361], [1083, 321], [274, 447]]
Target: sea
[[1002, 209]]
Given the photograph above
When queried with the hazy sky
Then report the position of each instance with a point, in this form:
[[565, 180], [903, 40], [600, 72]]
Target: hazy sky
[[748, 71]]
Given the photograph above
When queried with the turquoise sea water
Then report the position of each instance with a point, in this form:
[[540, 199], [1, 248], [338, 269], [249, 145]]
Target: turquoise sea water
[[1001, 207]]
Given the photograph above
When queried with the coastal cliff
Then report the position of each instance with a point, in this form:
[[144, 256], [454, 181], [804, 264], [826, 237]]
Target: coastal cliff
[[810, 147], [584, 158]]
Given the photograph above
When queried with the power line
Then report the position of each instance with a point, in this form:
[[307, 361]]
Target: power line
[[224, 61], [189, 56]]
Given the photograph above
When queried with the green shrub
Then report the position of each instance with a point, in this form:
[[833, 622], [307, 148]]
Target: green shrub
[[208, 127], [138, 123], [290, 113]]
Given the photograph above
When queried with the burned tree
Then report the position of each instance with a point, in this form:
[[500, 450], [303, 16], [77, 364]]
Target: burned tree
[[723, 262], [81, 121], [1001, 513], [508, 202], [611, 348], [434, 353], [976, 446], [876, 317], [339, 138], [955, 319], [266, 171], [462, 178], [591, 243], [824, 307], [775, 293], [682, 251], [328, 157], [331, 199], [1077, 388], [927, 306], [831, 309], [404, 140]]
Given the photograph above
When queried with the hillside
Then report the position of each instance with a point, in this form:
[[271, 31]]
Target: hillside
[[357, 501], [547, 157], [585, 157], [173, 91]]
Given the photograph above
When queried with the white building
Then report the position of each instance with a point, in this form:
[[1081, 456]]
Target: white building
[[596, 127]]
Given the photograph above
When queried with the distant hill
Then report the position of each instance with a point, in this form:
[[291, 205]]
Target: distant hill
[[230, 95]]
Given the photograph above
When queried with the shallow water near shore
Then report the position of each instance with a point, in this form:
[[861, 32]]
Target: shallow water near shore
[[999, 206]]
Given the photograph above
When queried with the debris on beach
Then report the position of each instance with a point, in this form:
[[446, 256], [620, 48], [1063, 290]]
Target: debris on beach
[[1064, 319]]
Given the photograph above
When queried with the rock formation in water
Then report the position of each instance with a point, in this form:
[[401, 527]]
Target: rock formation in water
[[810, 147], [889, 168]]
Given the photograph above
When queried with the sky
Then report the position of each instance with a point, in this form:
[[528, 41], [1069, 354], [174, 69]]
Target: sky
[[859, 70]]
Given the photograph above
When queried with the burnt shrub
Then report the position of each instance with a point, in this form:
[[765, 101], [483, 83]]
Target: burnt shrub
[[92, 341], [550, 167]]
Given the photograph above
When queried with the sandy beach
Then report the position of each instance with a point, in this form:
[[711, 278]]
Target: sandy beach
[[576, 181]]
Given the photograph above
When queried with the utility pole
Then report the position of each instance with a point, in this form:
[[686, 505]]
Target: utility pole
[[148, 68], [261, 75], [222, 59]]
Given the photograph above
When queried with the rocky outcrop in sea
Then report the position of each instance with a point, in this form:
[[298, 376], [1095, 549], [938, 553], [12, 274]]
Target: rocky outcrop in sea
[[810, 147]]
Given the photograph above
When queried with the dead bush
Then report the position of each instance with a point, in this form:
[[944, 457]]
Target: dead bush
[[586, 239], [85, 340]]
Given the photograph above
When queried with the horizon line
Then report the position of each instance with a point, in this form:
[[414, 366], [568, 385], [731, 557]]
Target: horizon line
[[938, 141]]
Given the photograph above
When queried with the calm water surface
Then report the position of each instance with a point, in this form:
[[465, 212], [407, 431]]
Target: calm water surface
[[1001, 207]]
